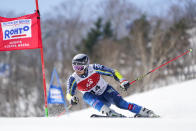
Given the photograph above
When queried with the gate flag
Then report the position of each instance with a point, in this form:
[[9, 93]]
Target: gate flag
[[55, 93], [24, 33], [20, 33]]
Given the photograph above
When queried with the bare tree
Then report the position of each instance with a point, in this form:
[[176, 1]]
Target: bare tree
[[120, 13], [154, 44]]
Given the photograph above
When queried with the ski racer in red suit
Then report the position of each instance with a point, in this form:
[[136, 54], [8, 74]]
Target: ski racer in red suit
[[96, 91]]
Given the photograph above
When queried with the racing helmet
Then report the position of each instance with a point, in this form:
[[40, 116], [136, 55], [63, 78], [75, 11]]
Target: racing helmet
[[80, 62]]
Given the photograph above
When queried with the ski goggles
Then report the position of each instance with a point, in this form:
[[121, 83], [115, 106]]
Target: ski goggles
[[79, 67]]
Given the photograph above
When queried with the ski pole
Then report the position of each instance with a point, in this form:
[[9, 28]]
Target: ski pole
[[142, 76], [69, 107]]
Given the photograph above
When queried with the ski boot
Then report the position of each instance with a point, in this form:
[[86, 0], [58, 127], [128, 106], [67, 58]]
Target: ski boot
[[146, 113], [112, 113], [109, 112]]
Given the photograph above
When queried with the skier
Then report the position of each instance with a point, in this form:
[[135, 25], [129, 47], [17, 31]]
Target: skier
[[96, 91]]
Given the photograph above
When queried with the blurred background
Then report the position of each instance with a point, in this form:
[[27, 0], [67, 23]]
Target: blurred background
[[133, 37]]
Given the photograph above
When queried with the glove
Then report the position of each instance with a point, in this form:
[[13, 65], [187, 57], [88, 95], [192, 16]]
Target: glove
[[74, 100], [124, 84]]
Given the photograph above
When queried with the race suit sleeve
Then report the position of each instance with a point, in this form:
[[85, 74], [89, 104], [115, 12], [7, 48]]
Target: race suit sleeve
[[71, 87], [104, 70]]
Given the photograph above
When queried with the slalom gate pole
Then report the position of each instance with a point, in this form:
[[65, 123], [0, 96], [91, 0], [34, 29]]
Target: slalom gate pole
[[142, 76], [43, 67]]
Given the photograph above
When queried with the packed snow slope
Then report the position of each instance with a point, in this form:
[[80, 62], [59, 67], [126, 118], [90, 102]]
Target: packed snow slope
[[176, 104]]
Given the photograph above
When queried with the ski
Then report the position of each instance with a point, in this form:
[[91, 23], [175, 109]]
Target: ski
[[102, 116], [153, 116]]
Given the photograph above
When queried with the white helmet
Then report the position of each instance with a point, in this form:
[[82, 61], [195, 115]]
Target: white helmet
[[80, 62]]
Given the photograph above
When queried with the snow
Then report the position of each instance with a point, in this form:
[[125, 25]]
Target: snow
[[175, 103]]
